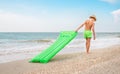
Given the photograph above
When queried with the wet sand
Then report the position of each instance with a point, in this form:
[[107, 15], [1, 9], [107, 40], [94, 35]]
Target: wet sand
[[99, 61]]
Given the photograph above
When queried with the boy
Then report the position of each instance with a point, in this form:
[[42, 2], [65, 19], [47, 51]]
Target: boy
[[89, 25]]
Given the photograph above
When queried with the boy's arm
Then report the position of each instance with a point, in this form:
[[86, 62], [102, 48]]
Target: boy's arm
[[81, 26], [93, 29]]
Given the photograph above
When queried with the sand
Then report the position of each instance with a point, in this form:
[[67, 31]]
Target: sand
[[99, 61]]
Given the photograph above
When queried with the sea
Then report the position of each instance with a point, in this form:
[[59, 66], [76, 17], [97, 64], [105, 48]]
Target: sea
[[23, 45]]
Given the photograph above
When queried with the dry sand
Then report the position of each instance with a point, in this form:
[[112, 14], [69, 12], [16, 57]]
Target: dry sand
[[99, 61]]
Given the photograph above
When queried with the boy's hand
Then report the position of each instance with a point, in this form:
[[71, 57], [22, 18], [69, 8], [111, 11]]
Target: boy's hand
[[94, 38], [76, 30]]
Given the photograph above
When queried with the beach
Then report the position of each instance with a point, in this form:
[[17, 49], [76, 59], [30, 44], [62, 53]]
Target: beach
[[99, 61], [61, 33]]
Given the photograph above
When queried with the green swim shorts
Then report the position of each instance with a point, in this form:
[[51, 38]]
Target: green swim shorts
[[87, 34]]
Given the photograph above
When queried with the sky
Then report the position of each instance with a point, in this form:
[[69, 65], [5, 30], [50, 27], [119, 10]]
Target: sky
[[58, 15]]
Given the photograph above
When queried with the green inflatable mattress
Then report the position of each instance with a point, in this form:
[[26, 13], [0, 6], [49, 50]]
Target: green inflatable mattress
[[46, 55]]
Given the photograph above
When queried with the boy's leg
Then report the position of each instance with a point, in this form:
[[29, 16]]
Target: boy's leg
[[87, 44]]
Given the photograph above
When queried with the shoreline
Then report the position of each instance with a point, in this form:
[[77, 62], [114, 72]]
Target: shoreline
[[19, 51], [99, 61], [30, 54]]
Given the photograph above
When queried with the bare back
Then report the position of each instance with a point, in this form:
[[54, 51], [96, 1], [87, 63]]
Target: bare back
[[88, 24]]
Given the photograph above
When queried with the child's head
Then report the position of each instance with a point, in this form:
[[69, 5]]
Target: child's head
[[93, 17]]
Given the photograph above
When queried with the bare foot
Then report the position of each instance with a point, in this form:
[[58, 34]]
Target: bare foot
[[88, 52]]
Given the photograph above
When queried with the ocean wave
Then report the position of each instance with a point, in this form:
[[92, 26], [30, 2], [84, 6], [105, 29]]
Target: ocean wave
[[37, 41], [118, 36]]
